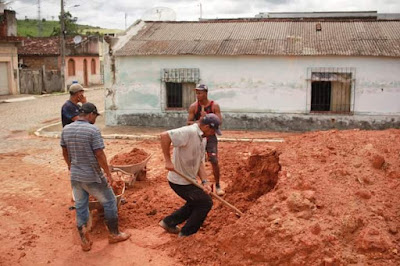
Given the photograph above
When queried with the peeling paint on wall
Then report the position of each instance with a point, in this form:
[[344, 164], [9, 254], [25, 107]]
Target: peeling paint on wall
[[260, 86]]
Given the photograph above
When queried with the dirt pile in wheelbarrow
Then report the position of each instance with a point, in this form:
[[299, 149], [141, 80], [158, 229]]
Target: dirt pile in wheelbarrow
[[133, 157], [333, 204]]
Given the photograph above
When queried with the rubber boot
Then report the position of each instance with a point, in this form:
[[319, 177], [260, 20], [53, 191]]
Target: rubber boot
[[86, 243], [115, 235]]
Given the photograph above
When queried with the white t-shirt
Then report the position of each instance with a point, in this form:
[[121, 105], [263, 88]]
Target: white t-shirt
[[189, 150]]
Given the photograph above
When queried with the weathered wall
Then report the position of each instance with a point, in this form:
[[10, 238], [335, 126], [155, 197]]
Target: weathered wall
[[8, 55], [265, 121], [93, 79], [37, 62], [249, 87], [37, 82], [8, 23]]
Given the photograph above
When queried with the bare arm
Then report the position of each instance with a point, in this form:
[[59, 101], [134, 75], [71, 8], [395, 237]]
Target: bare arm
[[102, 160], [192, 111], [217, 111], [66, 158], [203, 176], [165, 146]]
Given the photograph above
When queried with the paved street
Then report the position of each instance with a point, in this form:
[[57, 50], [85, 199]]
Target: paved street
[[18, 119]]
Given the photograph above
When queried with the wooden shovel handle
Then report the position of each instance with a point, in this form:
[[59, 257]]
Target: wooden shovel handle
[[238, 212]]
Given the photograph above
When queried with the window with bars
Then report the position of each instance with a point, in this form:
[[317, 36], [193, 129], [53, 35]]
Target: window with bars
[[180, 95], [180, 84], [331, 89]]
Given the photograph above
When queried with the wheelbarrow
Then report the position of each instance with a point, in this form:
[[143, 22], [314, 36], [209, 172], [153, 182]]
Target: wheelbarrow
[[131, 172]]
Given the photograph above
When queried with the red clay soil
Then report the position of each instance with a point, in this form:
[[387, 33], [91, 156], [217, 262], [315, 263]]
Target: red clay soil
[[318, 198], [133, 157]]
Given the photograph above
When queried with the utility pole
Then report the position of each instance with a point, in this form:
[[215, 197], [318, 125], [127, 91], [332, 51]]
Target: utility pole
[[62, 48], [125, 20], [201, 11], [40, 26]]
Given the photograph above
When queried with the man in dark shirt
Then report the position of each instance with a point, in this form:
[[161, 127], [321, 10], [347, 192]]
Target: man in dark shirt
[[197, 111], [70, 109]]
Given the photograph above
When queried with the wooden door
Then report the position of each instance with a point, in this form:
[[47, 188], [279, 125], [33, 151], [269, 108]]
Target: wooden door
[[85, 73], [4, 83]]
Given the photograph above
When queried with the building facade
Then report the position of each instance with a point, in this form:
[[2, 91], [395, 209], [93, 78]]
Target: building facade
[[9, 73], [265, 74]]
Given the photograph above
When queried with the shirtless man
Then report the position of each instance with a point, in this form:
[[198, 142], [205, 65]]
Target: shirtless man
[[198, 110]]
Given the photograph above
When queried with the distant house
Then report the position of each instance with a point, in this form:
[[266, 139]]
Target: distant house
[[282, 74], [8, 53], [81, 61]]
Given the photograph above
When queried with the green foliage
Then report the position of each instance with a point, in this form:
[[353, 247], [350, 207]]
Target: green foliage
[[29, 28], [70, 26]]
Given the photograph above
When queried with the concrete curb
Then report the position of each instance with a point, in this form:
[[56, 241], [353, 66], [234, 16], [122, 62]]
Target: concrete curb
[[34, 97], [41, 133], [22, 99]]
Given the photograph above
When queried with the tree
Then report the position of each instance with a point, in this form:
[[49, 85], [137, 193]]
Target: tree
[[71, 28]]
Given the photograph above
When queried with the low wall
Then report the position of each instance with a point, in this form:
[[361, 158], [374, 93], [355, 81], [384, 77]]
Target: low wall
[[39, 81], [257, 121]]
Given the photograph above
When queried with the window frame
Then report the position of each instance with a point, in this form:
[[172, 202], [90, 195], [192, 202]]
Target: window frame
[[332, 75], [93, 67], [71, 71]]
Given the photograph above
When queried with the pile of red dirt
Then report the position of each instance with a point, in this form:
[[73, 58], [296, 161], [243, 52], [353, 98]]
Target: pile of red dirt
[[133, 157], [257, 177], [335, 203]]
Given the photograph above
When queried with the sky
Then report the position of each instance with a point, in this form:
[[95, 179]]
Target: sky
[[119, 14]]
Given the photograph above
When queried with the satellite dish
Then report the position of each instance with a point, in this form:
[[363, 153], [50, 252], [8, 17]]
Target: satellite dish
[[4, 5], [77, 39], [159, 14]]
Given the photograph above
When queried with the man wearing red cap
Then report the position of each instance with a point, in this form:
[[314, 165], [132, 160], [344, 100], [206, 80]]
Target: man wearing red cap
[[198, 110]]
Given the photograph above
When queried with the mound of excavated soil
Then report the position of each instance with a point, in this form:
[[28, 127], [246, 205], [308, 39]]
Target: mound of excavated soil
[[336, 202], [133, 157], [259, 176]]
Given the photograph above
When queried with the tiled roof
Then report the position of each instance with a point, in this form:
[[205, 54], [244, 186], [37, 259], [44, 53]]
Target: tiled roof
[[269, 37], [40, 46], [44, 45]]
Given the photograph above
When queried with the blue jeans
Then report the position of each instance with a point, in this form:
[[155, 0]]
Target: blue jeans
[[102, 192]]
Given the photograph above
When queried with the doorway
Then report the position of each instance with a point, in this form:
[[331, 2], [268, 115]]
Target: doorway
[[85, 73], [4, 83]]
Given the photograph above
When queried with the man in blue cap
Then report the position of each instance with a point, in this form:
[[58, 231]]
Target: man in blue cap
[[189, 144]]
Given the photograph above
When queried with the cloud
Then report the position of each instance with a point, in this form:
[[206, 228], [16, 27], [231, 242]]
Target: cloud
[[111, 14]]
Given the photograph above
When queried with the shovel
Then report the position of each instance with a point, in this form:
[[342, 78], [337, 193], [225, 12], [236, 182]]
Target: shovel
[[237, 211]]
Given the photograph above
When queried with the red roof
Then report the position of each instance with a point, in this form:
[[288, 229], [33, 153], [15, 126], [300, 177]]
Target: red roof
[[40, 46]]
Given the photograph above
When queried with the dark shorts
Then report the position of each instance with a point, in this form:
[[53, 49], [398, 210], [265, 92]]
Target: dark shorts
[[212, 148]]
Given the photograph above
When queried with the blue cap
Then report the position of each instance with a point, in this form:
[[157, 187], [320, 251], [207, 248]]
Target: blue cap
[[213, 121]]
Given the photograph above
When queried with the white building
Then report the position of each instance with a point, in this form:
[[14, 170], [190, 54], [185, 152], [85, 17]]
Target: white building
[[281, 74]]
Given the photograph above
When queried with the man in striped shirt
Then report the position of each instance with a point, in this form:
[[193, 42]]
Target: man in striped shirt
[[83, 151]]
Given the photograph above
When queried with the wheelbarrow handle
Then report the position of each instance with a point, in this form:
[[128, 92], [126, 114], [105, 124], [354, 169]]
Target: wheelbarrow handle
[[116, 169]]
